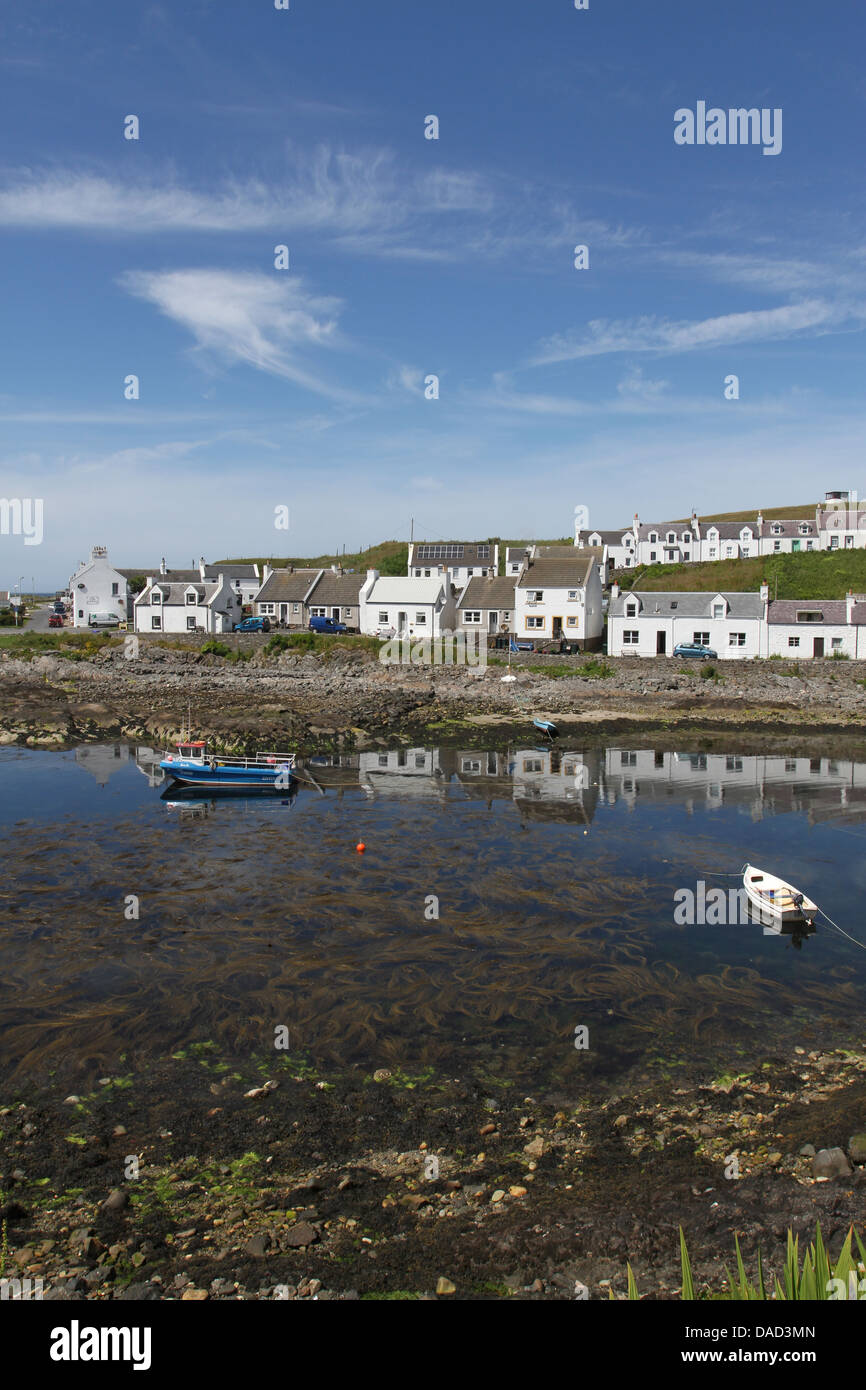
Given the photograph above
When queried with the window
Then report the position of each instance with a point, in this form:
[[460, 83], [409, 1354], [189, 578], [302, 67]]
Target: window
[[469, 572], [532, 765], [628, 759], [418, 574], [809, 615], [472, 615], [712, 552], [572, 622], [630, 637], [427, 573], [192, 597], [834, 542], [729, 550], [701, 639], [482, 552], [745, 551], [156, 596], [318, 612], [777, 545], [776, 530], [190, 624], [653, 537], [383, 618], [671, 537], [419, 759], [687, 554], [652, 555], [535, 596], [156, 624], [631, 610], [572, 595], [718, 610], [675, 603], [114, 590], [810, 545], [790, 764], [793, 641], [733, 764], [506, 616], [534, 623], [265, 609], [836, 643], [736, 639], [420, 619]]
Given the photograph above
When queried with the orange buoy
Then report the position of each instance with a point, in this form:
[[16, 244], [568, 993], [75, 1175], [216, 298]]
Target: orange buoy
[[360, 847]]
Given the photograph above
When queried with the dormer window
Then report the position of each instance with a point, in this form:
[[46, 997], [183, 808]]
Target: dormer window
[[191, 596], [653, 537], [805, 528], [156, 596], [776, 529], [672, 535], [631, 610], [687, 537], [718, 610]]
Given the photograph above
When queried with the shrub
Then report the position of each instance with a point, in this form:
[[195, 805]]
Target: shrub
[[216, 648], [596, 670], [709, 673]]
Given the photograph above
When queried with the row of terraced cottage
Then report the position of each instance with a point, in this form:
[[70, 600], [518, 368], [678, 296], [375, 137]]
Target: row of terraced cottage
[[548, 593]]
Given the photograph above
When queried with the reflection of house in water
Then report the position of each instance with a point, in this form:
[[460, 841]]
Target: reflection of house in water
[[101, 760], [823, 788], [403, 772], [544, 783], [147, 761]]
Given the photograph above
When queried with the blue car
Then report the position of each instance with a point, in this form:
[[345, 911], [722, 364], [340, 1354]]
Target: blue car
[[253, 625], [695, 649], [326, 625]]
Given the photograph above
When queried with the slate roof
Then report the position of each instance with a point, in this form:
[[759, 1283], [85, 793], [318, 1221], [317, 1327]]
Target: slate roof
[[338, 589], [560, 567], [729, 530], [470, 554], [610, 537], [231, 572], [661, 528], [789, 528], [685, 605], [176, 593], [152, 571], [489, 593], [287, 585], [833, 611]]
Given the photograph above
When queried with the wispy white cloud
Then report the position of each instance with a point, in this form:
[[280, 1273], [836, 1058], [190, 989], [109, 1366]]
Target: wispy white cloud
[[653, 334], [265, 321]]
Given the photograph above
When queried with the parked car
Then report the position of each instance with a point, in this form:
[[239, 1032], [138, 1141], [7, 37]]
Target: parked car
[[695, 649], [59, 607], [253, 625], [326, 625], [55, 620]]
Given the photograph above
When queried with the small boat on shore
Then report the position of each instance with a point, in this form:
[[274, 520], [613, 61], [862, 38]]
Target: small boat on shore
[[193, 765], [773, 896], [546, 727]]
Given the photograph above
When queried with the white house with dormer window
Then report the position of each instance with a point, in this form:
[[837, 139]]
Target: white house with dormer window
[[650, 623], [206, 605]]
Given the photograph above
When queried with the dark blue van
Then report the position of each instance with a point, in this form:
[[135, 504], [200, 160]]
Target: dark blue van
[[327, 625]]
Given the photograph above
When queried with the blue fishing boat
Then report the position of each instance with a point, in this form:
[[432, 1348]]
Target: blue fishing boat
[[193, 765]]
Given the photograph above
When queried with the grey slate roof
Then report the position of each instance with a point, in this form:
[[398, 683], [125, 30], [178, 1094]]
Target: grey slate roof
[[785, 610], [685, 604], [789, 527], [152, 571], [490, 593], [610, 537], [661, 528], [729, 530], [560, 567], [231, 572], [287, 585], [338, 589], [176, 593]]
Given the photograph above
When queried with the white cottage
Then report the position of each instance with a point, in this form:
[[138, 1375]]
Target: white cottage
[[806, 628], [649, 623], [558, 594], [392, 605], [201, 605], [99, 591]]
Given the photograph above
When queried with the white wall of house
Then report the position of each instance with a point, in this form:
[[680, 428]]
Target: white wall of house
[[97, 588], [215, 612], [420, 607], [636, 631], [797, 640], [577, 606]]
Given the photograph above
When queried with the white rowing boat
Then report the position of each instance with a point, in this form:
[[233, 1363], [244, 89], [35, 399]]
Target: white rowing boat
[[774, 896]]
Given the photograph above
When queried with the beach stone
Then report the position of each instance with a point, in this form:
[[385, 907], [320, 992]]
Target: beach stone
[[535, 1148], [301, 1235], [256, 1246], [830, 1163], [116, 1200], [807, 1151], [857, 1147], [445, 1286]]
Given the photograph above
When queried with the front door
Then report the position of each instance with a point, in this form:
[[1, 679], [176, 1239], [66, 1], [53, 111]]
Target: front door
[[818, 647], [401, 624], [557, 627], [492, 620], [661, 643], [284, 611], [335, 614]]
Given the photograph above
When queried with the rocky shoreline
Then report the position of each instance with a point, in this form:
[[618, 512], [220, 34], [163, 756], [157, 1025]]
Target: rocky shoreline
[[277, 1181], [345, 698]]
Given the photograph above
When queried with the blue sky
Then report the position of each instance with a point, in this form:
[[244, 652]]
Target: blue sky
[[304, 388]]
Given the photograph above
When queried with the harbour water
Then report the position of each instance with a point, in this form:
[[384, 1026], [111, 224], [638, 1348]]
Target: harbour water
[[505, 898]]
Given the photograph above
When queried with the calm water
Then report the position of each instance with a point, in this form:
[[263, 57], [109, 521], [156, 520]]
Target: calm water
[[553, 875]]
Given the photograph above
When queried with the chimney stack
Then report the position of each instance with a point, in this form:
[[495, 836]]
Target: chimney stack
[[162, 568], [614, 590], [765, 591]]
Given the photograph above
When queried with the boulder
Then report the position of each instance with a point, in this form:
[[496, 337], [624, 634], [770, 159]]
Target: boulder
[[831, 1163]]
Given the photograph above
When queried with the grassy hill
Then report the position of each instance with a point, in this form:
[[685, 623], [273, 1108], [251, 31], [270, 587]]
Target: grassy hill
[[388, 557], [804, 511], [818, 574]]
